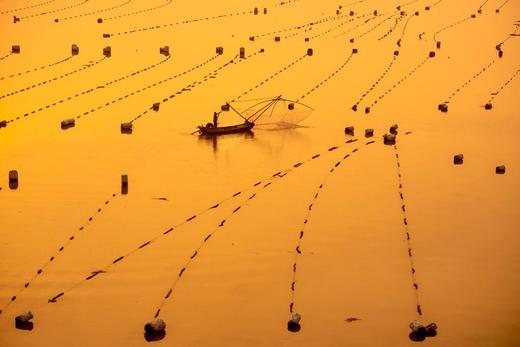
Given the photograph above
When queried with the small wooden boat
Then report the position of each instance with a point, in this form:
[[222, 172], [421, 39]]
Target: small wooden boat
[[210, 130]]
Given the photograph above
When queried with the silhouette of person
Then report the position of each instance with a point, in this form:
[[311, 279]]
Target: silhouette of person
[[215, 119]]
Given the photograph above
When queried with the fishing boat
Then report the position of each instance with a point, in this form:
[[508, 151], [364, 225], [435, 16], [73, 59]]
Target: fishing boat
[[250, 116]]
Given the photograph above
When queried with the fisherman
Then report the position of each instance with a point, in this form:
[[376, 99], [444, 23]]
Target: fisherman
[[215, 119]]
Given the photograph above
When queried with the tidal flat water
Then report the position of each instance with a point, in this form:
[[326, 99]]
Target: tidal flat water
[[385, 218]]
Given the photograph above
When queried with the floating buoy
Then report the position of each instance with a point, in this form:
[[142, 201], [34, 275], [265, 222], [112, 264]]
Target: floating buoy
[[224, 107], [242, 52], [306, 39], [396, 53], [124, 184], [100, 20], [23, 321], [389, 139], [255, 11], [127, 128], [155, 330], [488, 106], [432, 54], [420, 332], [310, 52], [369, 132], [156, 106], [265, 10], [375, 12], [251, 38], [354, 108], [15, 49], [293, 325], [473, 16], [74, 49], [107, 51], [277, 38], [351, 13], [393, 129], [351, 40], [15, 19], [402, 13], [443, 107], [349, 130], [164, 50], [458, 159], [337, 12], [291, 106], [220, 50], [68, 123], [500, 169], [56, 20], [427, 8], [13, 179], [106, 35], [500, 54], [438, 44], [3, 124], [367, 110], [354, 50]]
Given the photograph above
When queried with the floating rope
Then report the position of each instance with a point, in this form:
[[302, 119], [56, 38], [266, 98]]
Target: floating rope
[[404, 28], [374, 27], [495, 94], [407, 4], [355, 27], [317, 86], [186, 21], [51, 80], [91, 90], [336, 27], [310, 208], [27, 7], [451, 26], [167, 3], [149, 86], [94, 12], [265, 183], [392, 29], [502, 5], [6, 56], [404, 78], [413, 270], [59, 251], [377, 81], [43, 67], [53, 11], [194, 84]]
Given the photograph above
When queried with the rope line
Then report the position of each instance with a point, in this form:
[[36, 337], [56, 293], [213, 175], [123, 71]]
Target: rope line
[[392, 29], [6, 56], [91, 90], [317, 86], [43, 67], [404, 28], [53, 11], [51, 80], [167, 3], [94, 12], [40, 272], [495, 94], [413, 270], [27, 7]]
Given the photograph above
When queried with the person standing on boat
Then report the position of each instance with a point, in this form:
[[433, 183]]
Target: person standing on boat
[[215, 119]]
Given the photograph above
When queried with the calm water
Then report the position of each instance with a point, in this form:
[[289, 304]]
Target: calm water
[[463, 220]]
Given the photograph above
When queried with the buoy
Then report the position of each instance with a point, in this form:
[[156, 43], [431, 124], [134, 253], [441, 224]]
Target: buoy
[[393, 129], [100, 20], [396, 53], [389, 139], [106, 35], [68, 123], [367, 110], [242, 52], [74, 49], [294, 323], [432, 54], [15, 49], [3, 124], [255, 11], [354, 108], [220, 50], [354, 50], [420, 332], [337, 12], [473, 16], [13, 179], [351, 40], [402, 13], [438, 43], [375, 12], [265, 10], [427, 8], [56, 20], [306, 39], [291, 106], [251, 38], [310, 52], [443, 107], [23, 321], [458, 159], [155, 330], [124, 184], [488, 106], [277, 38], [349, 130], [127, 128], [500, 169], [156, 106], [369, 132], [417, 327], [107, 51], [500, 54], [164, 50], [15, 19], [224, 107]]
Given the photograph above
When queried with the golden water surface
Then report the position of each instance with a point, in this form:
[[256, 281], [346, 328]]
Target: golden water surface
[[462, 220]]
